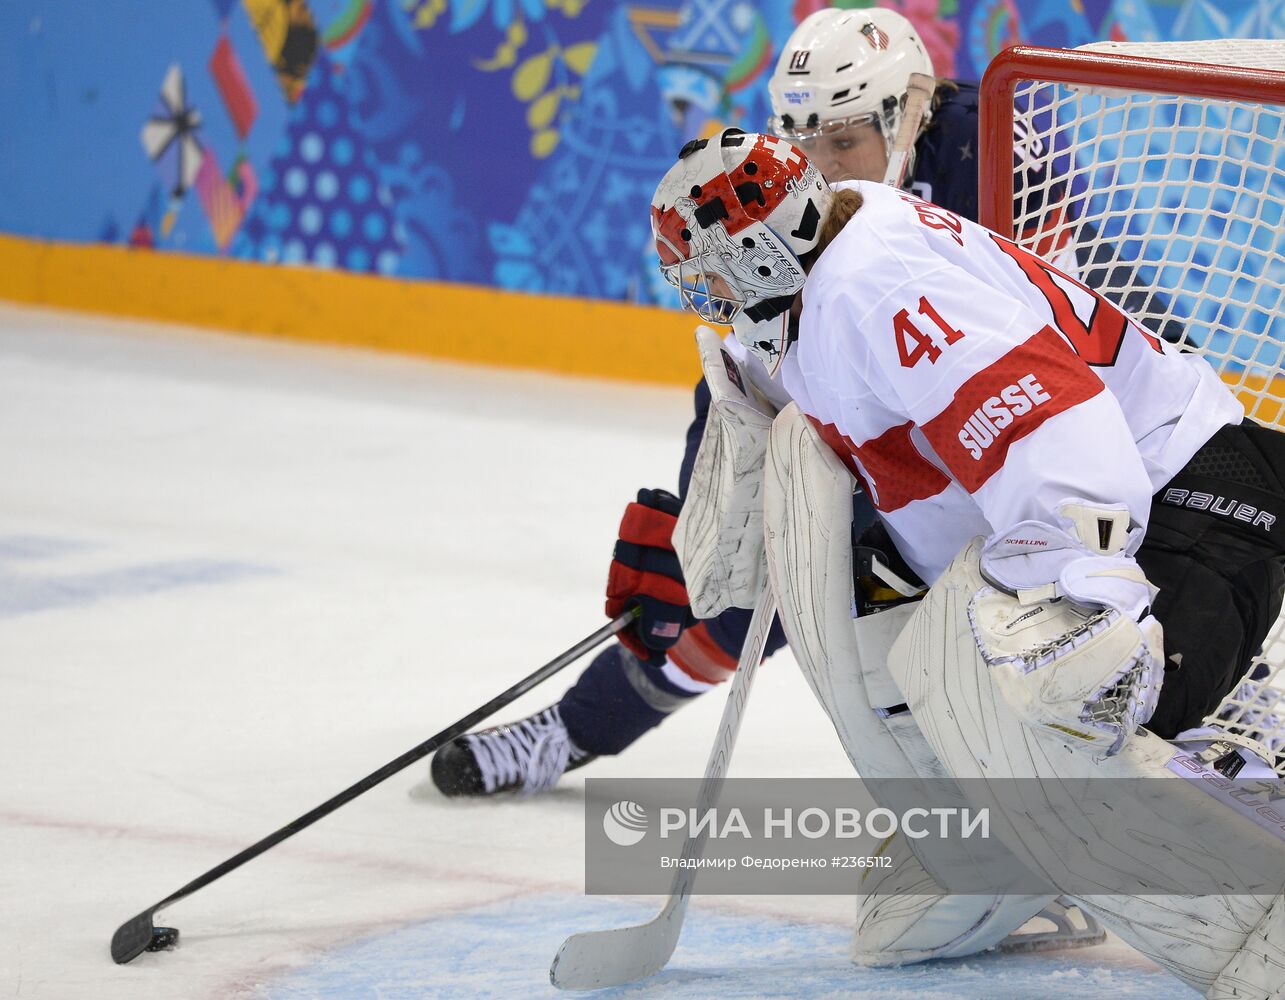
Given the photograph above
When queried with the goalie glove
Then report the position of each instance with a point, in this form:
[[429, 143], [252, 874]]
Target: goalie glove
[[1093, 675], [645, 574], [1067, 629], [719, 537]]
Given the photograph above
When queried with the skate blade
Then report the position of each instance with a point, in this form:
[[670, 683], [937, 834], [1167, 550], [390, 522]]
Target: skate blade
[[1026, 944], [1066, 933]]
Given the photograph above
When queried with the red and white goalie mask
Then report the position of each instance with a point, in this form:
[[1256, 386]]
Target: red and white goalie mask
[[731, 219]]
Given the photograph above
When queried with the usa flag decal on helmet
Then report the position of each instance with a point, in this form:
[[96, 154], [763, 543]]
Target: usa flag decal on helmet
[[875, 35]]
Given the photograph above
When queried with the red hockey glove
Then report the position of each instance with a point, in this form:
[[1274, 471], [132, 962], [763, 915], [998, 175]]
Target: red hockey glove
[[645, 573]]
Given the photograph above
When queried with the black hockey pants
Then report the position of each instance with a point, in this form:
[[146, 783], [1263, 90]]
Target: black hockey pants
[[1215, 547]]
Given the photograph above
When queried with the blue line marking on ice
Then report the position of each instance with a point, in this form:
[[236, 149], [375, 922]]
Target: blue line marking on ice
[[22, 592], [504, 950]]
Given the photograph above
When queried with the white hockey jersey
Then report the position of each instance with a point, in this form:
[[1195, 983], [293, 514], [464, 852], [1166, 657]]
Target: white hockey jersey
[[969, 385]]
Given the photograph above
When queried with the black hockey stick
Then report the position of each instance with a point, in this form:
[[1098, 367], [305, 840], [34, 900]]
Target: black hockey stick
[[138, 934]]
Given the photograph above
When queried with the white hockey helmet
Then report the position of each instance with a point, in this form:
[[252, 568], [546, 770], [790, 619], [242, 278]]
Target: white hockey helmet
[[731, 219], [842, 68]]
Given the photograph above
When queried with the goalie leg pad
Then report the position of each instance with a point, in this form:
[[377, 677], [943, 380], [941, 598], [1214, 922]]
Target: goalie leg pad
[[719, 535], [977, 734], [903, 916], [1258, 969], [1214, 944], [808, 512], [808, 517]]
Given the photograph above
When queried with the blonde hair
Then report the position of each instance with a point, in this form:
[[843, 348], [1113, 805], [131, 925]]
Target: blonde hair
[[845, 203], [943, 85]]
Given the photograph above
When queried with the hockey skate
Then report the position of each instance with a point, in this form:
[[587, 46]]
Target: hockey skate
[[526, 756], [894, 931], [1061, 924], [904, 917]]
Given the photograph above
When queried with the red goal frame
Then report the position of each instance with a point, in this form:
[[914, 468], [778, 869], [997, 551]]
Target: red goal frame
[[1101, 69]]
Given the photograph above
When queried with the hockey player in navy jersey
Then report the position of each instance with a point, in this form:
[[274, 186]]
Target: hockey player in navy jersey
[[669, 658]]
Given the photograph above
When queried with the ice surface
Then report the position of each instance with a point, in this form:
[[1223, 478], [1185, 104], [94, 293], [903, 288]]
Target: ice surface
[[237, 575]]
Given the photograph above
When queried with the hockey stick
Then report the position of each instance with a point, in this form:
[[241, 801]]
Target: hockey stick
[[596, 959], [138, 934], [919, 92]]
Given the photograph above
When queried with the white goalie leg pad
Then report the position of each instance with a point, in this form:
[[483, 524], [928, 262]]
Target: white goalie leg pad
[[904, 917], [977, 734], [808, 517], [719, 535], [1227, 947], [808, 522], [1258, 964]]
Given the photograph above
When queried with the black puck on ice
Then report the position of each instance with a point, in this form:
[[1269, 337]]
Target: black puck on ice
[[163, 938]]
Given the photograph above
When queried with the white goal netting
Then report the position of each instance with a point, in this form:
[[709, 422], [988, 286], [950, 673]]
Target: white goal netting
[[1163, 185]]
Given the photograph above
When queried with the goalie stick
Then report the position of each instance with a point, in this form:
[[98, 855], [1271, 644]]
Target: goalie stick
[[919, 92], [139, 934], [596, 959]]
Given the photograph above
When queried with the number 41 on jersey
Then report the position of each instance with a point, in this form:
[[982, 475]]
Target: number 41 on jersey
[[913, 345]]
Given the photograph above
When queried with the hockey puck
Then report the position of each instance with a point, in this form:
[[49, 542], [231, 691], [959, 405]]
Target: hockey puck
[[163, 939]]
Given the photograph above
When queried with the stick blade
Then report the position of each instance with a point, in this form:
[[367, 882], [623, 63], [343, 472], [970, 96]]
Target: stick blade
[[132, 938], [595, 959]]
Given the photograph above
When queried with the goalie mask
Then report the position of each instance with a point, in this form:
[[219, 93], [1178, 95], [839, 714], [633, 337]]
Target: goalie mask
[[731, 219], [840, 72]]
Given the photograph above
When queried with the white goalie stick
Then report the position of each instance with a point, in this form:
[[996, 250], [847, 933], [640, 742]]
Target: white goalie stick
[[919, 92], [595, 959]]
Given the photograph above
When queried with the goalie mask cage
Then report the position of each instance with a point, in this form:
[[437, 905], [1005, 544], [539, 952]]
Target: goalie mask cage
[[1157, 171]]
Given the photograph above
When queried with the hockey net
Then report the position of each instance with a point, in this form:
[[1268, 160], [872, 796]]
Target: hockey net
[[1157, 172]]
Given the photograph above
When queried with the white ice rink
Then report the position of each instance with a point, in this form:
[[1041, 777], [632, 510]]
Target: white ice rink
[[237, 575]]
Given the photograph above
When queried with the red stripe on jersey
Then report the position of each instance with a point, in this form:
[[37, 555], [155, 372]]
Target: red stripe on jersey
[[1005, 402], [841, 445], [898, 473], [698, 656]]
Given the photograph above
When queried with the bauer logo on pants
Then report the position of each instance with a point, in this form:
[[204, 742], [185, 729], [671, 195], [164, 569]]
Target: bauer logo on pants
[[1222, 506]]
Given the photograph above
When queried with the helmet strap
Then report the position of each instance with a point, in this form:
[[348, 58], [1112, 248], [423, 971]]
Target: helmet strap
[[768, 309]]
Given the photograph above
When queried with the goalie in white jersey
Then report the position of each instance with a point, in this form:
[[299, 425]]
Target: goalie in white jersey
[[975, 391], [968, 384]]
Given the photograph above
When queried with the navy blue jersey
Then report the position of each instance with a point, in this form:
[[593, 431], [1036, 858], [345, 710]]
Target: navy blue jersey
[[946, 157], [946, 154]]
